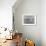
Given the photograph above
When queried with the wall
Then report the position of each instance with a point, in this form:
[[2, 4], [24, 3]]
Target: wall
[[29, 7], [6, 13], [43, 22]]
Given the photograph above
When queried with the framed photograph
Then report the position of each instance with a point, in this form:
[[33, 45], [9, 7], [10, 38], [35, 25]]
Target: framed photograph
[[29, 20]]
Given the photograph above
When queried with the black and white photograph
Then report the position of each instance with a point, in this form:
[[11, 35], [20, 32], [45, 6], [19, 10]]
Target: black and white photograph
[[29, 20]]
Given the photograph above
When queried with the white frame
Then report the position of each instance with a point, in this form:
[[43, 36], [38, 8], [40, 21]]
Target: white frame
[[28, 15]]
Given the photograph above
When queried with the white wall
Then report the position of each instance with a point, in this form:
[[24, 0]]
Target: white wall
[[6, 13], [43, 22], [29, 7], [38, 32]]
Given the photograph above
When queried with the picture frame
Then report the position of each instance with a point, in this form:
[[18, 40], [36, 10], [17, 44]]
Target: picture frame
[[28, 20]]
